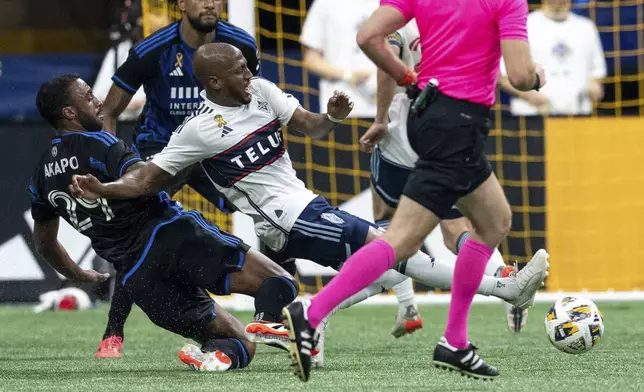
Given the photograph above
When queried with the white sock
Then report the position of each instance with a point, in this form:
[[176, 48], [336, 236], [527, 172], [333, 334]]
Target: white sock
[[405, 293], [427, 270], [385, 282], [495, 263], [439, 273]]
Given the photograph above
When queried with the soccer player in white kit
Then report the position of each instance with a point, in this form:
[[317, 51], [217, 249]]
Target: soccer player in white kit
[[393, 160], [236, 135]]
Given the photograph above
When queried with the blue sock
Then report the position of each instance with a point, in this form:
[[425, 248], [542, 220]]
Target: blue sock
[[233, 348], [272, 295]]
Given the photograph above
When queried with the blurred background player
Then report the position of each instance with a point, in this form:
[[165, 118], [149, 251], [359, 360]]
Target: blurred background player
[[569, 47], [338, 61], [124, 34], [162, 64], [166, 257], [393, 160], [341, 65]]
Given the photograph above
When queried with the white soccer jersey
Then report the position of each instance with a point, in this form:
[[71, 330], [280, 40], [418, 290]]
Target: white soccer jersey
[[331, 27], [242, 151], [395, 146], [571, 54]]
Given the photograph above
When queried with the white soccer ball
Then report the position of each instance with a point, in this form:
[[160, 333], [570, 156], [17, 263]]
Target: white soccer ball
[[574, 325]]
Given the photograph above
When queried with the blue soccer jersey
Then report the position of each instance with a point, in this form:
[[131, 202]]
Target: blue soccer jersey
[[162, 64]]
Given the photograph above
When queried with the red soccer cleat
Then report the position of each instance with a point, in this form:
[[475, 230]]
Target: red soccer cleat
[[110, 347]]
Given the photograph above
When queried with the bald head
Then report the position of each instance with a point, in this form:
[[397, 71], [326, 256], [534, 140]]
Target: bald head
[[222, 70], [214, 59]]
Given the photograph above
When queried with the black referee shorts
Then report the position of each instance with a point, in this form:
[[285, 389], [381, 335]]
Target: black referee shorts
[[182, 260], [449, 137]]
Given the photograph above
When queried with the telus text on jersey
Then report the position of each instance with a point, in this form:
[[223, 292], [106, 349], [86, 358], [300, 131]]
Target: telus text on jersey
[[261, 148]]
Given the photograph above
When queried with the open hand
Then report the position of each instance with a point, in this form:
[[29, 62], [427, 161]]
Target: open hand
[[85, 187], [376, 131], [91, 276], [339, 105], [536, 99]]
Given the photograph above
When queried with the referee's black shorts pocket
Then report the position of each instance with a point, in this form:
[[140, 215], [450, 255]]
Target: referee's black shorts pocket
[[452, 160]]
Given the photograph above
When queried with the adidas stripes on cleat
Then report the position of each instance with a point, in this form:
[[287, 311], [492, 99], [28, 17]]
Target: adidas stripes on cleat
[[465, 361], [303, 338]]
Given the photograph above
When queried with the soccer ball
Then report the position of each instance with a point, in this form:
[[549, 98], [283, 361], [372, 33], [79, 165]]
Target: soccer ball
[[574, 325]]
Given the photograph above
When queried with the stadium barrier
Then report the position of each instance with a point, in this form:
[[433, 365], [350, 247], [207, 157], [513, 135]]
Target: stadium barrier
[[587, 170]]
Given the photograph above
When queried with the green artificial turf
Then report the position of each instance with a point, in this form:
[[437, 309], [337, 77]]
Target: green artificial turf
[[54, 351]]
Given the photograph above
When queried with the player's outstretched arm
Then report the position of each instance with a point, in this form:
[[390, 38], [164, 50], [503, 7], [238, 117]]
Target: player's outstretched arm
[[115, 103], [318, 125], [46, 242], [371, 39], [147, 179]]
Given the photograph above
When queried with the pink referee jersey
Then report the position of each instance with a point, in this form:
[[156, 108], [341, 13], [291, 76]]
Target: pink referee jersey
[[461, 42]]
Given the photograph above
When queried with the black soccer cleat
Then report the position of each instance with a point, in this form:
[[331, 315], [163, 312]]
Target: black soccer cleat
[[465, 361], [303, 338]]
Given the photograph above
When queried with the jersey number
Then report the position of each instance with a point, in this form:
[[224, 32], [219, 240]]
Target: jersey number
[[71, 203]]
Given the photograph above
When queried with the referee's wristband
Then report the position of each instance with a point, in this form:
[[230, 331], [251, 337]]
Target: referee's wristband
[[408, 79], [537, 84], [333, 119]]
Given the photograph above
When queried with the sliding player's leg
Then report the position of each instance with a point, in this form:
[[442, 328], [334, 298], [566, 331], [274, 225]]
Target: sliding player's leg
[[239, 270], [188, 310], [121, 304], [190, 256], [160, 285], [120, 307]]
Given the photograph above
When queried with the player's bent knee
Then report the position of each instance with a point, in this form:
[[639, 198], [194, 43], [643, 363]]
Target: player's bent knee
[[504, 224], [450, 240], [497, 230], [452, 229]]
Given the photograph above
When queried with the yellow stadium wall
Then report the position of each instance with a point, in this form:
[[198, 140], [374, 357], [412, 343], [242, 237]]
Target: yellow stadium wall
[[595, 203]]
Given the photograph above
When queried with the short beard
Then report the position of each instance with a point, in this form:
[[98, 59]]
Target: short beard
[[91, 124], [200, 27]]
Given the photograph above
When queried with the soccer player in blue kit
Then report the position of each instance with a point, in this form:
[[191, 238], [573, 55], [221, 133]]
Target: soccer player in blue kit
[[162, 64]]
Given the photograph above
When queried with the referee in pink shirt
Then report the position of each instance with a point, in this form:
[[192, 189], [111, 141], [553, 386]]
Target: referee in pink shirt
[[462, 43]]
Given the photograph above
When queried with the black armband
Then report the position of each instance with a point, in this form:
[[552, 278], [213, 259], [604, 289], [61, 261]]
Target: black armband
[[537, 84]]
